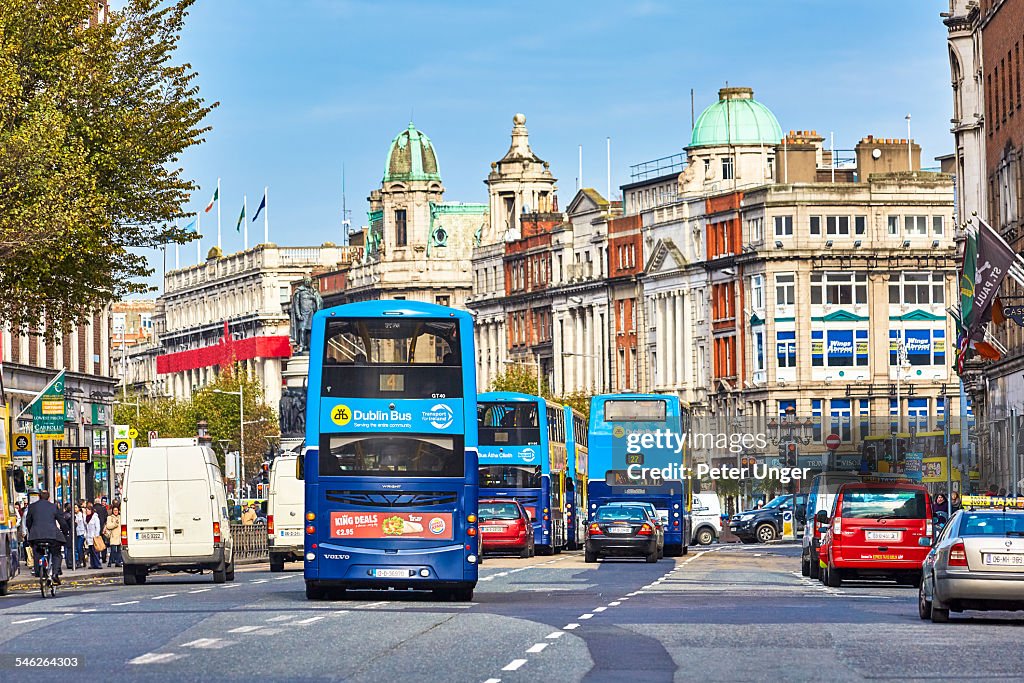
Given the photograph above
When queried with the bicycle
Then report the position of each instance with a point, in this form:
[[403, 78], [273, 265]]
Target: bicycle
[[44, 551]]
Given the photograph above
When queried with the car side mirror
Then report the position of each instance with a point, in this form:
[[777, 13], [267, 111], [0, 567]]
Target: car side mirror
[[821, 517]]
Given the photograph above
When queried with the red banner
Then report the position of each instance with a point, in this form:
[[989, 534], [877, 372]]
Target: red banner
[[359, 524]]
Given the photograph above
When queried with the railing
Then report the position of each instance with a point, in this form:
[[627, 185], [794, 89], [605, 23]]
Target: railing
[[250, 540]]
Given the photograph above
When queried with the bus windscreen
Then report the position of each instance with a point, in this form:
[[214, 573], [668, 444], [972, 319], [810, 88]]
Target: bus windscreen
[[635, 410], [380, 455]]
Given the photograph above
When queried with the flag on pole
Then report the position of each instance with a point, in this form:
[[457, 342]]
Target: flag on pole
[[241, 219], [263, 205], [995, 260], [214, 198], [191, 227]]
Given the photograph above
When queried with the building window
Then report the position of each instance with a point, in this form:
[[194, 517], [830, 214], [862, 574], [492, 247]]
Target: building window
[[816, 419], [755, 228], [917, 412], [860, 224], [785, 289], [783, 226], [842, 418], [893, 225], [915, 225], [863, 412], [837, 225], [786, 349], [401, 235], [815, 225], [727, 168], [757, 292], [839, 289], [920, 347], [937, 225], [759, 350], [784, 407], [917, 288]]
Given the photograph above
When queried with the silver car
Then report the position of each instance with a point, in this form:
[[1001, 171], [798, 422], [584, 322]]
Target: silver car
[[977, 563]]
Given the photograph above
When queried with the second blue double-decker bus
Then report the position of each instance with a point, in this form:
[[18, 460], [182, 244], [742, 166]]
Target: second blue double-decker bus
[[577, 452], [391, 467], [523, 456], [613, 419]]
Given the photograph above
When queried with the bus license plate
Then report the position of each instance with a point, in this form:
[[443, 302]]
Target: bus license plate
[[149, 536], [883, 535], [620, 530], [1012, 559], [391, 573]]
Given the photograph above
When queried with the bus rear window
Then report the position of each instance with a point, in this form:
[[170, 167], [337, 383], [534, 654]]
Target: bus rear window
[[379, 455], [509, 476], [635, 410], [508, 424], [883, 503]]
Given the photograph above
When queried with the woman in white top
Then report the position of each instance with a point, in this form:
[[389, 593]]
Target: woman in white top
[[79, 537], [92, 530]]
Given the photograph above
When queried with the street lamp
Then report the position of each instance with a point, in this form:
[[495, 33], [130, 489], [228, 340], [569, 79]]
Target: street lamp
[[241, 430], [126, 403]]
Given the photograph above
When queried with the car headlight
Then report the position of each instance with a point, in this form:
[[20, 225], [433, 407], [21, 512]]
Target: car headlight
[[742, 518]]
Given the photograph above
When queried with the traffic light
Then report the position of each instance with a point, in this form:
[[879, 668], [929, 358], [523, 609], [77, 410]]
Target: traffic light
[[790, 456]]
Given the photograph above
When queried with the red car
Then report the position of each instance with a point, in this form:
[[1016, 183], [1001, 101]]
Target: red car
[[876, 530], [505, 525]]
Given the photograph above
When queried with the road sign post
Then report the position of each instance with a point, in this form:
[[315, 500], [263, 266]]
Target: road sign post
[[832, 442]]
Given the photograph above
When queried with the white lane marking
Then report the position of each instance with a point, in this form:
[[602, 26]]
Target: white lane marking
[[585, 616], [486, 578], [600, 609], [307, 621], [624, 598], [555, 634], [231, 585], [28, 621], [208, 643], [92, 609], [493, 680], [340, 611], [373, 604], [513, 665], [282, 578], [161, 597], [539, 647], [201, 590], [633, 593], [283, 617], [245, 629], [502, 574], [570, 627], [122, 604], [266, 632], [616, 603], [260, 581], [155, 658]]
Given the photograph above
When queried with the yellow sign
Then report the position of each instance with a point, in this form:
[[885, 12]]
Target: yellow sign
[[992, 502], [133, 433], [122, 447], [5, 451], [52, 406], [618, 432], [341, 415]]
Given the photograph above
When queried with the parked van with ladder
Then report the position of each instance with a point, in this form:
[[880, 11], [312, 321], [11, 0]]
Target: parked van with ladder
[[175, 512], [285, 510]]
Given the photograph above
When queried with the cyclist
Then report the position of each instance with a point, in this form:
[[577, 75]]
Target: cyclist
[[44, 524]]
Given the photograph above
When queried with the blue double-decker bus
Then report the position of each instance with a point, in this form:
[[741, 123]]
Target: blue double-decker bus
[[614, 419], [391, 467], [523, 456], [577, 453]]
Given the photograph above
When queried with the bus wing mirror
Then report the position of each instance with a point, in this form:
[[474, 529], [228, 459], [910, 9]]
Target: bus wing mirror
[[18, 479], [300, 467]]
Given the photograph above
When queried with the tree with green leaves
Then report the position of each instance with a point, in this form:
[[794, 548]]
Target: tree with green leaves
[[521, 379], [94, 117]]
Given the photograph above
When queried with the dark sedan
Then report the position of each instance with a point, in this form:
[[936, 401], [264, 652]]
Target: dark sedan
[[623, 531]]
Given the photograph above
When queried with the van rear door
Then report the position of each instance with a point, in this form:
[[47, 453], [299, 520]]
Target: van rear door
[[146, 509], [191, 506], [884, 524]]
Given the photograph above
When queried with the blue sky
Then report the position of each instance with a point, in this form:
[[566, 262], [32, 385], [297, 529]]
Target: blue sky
[[307, 85]]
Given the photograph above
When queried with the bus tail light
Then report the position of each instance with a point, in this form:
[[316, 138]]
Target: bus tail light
[[471, 519], [310, 516], [676, 523], [270, 525], [471, 531], [957, 556], [595, 530], [545, 518], [216, 532], [124, 535], [310, 529], [645, 530]]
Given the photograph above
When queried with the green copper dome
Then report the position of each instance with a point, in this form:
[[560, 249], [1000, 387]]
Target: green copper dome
[[736, 119], [411, 157]]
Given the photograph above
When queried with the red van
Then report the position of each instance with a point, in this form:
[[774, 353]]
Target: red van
[[876, 530]]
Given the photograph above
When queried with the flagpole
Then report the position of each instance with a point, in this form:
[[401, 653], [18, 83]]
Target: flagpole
[[218, 213], [177, 250], [199, 239], [245, 220], [266, 213]]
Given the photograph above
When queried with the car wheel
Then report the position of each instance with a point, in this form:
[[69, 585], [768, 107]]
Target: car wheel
[[220, 575], [533, 549], [525, 552], [130, 577], [589, 557], [652, 557], [939, 615], [813, 567], [805, 567], [833, 577], [765, 533], [924, 606], [230, 573], [276, 563], [705, 537]]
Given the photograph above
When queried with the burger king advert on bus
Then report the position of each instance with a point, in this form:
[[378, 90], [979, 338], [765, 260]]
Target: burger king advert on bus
[[360, 524]]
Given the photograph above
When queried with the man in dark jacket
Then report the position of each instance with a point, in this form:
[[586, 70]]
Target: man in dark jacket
[[100, 509], [43, 523]]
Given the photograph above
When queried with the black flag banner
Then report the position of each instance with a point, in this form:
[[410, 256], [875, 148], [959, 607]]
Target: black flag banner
[[995, 259]]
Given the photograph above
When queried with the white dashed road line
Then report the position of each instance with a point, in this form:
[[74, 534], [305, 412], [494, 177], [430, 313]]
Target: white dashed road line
[[555, 635], [600, 609], [122, 604], [155, 658], [539, 647], [570, 627], [283, 617], [201, 590], [245, 629], [208, 643], [161, 597], [29, 621], [585, 616], [307, 621], [513, 665]]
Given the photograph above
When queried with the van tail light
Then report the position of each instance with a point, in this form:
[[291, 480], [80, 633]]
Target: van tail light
[[124, 535], [837, 525], [645, 530], [216, 532], [595, 530], [928, 528], [270, 525], [957, 556]]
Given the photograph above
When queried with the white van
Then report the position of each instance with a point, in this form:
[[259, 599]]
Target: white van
[[285, 509], [706, 518], [175, 512], [822, 494]]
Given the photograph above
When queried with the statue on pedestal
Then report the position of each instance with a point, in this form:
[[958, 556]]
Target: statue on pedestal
[[305, 302]]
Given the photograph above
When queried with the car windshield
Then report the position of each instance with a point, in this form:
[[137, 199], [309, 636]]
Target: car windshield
[[498, 511], [888, 503], [623, 513], [777, 501], [992, 524]]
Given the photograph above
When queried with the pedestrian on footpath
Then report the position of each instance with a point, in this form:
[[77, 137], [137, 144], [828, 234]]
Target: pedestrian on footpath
[[79, 537], [92, 531], [69, 523], [249, 516], [100, 508], [113, 529]]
